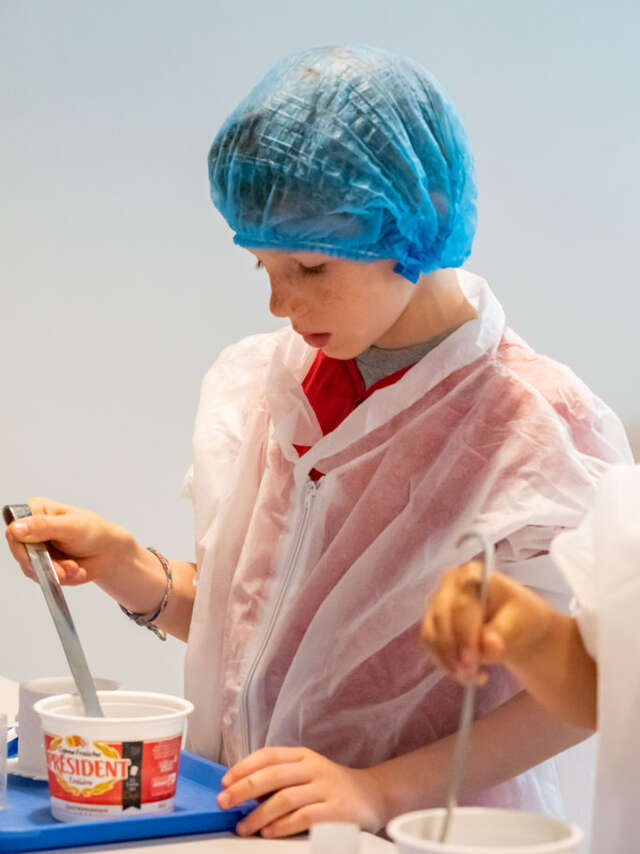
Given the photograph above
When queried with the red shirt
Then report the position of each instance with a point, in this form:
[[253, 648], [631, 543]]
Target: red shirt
[[334, 387]]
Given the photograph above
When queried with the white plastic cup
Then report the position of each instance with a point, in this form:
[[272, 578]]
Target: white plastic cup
[[484, 830], [125, 763], [335, 837], [31, 758]]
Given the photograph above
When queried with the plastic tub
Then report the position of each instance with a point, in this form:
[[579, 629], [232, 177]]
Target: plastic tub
[[123, 764], [483, 830]]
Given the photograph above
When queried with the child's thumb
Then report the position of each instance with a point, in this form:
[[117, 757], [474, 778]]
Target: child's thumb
[[492, 645], [39, 528]]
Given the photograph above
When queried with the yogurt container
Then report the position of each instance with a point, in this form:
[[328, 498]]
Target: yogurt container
[[121, 765], [484, 830]]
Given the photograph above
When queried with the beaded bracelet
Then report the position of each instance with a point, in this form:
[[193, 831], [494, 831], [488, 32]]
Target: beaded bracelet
[[142, 620]]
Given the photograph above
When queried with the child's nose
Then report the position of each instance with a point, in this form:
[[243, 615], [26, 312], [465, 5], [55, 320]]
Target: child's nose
[[285, 300]]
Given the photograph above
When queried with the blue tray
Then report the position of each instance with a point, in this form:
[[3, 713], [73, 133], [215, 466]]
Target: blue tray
[[26, 823]]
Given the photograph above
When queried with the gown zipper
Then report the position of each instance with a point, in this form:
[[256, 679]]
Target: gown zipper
[[310, 491]]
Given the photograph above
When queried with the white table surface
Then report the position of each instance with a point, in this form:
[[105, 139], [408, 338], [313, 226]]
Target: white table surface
[[213, 843]]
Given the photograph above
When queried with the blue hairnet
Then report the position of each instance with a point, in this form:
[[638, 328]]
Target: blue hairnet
[[349, 151]]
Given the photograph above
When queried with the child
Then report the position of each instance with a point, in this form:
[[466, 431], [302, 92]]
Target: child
[[583, 667], [338, 460]]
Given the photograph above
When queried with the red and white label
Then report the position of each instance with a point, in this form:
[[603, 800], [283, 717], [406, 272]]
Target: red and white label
[[94, 777]]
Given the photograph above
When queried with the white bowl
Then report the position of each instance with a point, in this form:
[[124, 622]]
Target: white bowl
[[483, 830]]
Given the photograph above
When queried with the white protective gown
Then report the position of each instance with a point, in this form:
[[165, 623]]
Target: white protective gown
[[601, 560], [309, 597]]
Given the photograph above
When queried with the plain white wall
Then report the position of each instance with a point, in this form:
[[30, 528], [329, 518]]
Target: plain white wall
[[120, 283]]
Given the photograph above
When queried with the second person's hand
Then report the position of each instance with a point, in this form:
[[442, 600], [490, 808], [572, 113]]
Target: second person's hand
[[462, 640]]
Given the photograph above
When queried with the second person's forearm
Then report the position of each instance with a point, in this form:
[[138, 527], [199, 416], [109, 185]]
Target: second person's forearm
[[508, 741], [560, 673]]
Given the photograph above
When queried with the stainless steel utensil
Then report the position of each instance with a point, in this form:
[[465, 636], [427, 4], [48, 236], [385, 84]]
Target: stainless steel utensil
[[461, 748], [57, 604]]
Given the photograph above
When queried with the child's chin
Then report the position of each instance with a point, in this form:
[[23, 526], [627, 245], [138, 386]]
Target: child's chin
[[335, 351]]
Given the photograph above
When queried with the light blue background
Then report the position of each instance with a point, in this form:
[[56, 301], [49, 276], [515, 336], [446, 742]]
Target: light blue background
[[120, 283]]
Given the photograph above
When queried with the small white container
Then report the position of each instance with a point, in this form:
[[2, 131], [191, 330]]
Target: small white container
[[334, 837], [123, 764], [484, 830]]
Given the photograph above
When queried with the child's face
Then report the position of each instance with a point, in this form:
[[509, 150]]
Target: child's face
[[337, 305]]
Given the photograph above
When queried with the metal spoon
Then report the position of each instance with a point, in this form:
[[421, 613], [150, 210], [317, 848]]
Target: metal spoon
[[54, 597], [461, 748]]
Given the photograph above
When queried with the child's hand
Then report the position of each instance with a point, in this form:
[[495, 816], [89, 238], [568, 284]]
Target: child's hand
[[515, 619], [84, 546], [303, 788]]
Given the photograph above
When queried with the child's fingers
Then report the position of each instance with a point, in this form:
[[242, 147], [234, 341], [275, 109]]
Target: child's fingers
[[462, 638], [429, 637], [41, 527], [70, 573], [464, 585], [500, 590], [466, 622], [263, 782], [298, 820], [20, 554], [467, 611], [492, 646], [48, 506], [69, 570], [453, 623], [262, 758], [441, 636], [500, 619], [501, 631], [280, 805], [517, 617], [449, 623]]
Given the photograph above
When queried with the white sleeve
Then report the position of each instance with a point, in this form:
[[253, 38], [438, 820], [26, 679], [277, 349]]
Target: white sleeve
[[524, 556], [601, 557], [572, 553]]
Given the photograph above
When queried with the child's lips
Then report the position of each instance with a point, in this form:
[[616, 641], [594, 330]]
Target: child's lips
[[317, 339]]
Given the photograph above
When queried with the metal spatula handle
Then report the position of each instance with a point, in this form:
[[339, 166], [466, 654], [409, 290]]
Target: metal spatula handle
[[57, 604], [461, 748]]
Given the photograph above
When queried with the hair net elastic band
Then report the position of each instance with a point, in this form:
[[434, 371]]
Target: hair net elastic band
[[410, 271]]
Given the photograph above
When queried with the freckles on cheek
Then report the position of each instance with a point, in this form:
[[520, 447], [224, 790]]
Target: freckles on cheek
[[329, 295]]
